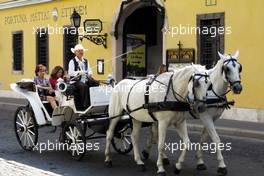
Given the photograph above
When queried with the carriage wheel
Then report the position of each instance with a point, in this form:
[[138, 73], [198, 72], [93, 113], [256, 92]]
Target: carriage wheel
[[75, 139], [122, 142], [26, 128]]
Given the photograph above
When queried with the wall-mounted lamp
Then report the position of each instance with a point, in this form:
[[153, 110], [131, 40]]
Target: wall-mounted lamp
[[100, 66]]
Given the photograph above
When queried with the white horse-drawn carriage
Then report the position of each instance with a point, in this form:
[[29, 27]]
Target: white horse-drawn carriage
[[159, 99], [74, 123]]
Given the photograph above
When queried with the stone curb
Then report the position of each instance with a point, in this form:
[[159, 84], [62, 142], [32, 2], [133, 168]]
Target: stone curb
[[230, 131]]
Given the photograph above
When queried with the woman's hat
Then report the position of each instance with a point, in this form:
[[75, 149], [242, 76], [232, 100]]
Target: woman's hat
[[78, 47]]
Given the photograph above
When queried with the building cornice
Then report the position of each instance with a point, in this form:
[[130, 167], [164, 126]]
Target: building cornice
[[20, 3]]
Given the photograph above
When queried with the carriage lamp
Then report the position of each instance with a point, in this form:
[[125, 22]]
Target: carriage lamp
[[75, 19], [97, 39]]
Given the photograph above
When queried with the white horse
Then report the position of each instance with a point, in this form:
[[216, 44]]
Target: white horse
[[176, 86], [225, 73]]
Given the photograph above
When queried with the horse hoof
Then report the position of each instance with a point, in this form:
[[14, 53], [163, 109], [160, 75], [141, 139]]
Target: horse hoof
[[176, 171], [142, 167], [145, 154], [222, 171], [201, 167], [166, 161], [161, 173], [108, 164]]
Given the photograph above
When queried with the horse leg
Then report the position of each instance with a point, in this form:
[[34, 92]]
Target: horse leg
[[109, 137], [135, 141], [162, 131], [151, 139], [183, 133], [209, 124], [199, 153]]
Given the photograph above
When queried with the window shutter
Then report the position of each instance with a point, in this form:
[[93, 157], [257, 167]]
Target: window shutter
[[42, 50], [18, 51], [69, 41]]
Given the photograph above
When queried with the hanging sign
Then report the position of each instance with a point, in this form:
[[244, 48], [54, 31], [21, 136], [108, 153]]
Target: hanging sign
[[93, 26]]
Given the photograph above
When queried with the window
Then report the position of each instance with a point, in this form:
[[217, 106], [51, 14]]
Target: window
[[69, 41], [42, 50], [210, 2], [210, 43], [17, 40]]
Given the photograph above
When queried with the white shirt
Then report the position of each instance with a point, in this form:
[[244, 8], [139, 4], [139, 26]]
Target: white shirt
[[81, 63]]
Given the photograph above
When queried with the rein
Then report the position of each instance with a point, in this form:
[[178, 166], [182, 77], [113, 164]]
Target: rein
[[175, 94], [223, 96]]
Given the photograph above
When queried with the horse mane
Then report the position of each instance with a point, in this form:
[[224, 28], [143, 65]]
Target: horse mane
[[182, 77], [213, 72]]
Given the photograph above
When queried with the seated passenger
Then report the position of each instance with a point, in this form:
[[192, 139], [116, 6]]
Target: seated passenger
[[45, 90], [57, 72]]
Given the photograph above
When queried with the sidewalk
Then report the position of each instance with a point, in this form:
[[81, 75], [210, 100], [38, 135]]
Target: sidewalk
[[223, 126], [9, 168]]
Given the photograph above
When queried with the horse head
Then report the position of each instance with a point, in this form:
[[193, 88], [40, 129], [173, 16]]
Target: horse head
[[231, 70], [198, 86]]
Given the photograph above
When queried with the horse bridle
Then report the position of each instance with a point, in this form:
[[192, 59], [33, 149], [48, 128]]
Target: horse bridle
[[224, 70], [196, 83], [226, 62]]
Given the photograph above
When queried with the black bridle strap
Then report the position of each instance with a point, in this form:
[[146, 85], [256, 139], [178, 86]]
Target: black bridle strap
[[206, 76], [233, 83], [233, 60], [223, 96]]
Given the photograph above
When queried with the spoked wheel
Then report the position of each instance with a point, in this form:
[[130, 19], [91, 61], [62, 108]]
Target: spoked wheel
[[122, 140], [26, 128], [75, 139]]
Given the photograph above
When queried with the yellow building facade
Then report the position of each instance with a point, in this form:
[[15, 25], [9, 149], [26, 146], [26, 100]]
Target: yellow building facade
[[242, 22]]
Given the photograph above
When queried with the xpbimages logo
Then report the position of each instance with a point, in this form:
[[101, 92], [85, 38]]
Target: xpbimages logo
[[61, 30], [187, 29], [211, 147], [58, 146]]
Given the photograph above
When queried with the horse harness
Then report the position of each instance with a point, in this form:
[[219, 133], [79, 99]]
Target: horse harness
[[181, 104], [221, 100]]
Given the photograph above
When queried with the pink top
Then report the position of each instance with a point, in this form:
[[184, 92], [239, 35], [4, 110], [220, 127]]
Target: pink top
[[53, 82]]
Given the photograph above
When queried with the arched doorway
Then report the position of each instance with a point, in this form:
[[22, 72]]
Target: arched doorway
[[138, 22]]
